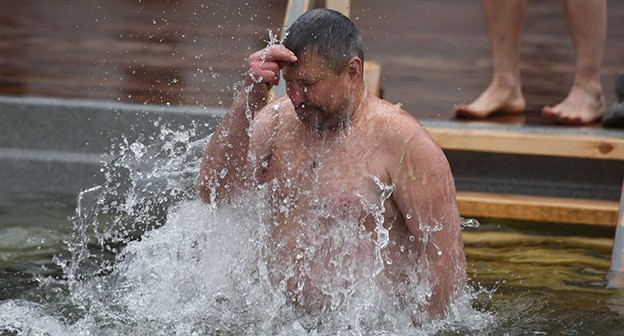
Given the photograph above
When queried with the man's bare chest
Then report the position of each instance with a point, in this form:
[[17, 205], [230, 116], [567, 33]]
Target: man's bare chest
[[340, 179]]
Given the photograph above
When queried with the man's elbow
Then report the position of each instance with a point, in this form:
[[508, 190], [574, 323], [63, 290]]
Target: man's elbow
[[444, 295], [447, 278]]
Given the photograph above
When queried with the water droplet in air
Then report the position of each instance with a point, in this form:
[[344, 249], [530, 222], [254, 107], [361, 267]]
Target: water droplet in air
[[469, 223]]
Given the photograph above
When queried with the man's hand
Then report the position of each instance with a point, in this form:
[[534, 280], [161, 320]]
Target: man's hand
[[265, 65]]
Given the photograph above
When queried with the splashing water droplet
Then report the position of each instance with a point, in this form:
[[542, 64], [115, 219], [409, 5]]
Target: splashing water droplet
[[138, 149], [469, 223], [223, 173]]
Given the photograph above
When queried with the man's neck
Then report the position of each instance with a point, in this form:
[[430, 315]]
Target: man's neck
[[357, 112]]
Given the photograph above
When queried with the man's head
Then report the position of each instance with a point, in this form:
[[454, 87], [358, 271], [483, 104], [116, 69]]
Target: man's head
[[328, 34], [327, 78]]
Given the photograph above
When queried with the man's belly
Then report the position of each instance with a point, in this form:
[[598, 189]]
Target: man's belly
[[318, 262], [325, 244]]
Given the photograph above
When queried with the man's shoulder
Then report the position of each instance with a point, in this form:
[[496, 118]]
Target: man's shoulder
[[407, 143], [397, 122], [269, 115], [403, 132], [275, 106]]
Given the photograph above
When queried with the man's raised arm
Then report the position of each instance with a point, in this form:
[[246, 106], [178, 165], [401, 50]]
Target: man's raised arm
[[225, 166]]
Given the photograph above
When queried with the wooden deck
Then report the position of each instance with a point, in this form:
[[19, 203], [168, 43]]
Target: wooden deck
[[433, 54]]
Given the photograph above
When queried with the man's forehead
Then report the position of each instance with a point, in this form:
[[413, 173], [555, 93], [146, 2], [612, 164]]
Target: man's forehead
[[307, 66]]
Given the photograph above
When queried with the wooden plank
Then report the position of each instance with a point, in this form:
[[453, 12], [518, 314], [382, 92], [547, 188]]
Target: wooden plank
[[372, 77], [343, 6], [538, 208], [505, 141], [294, 9]]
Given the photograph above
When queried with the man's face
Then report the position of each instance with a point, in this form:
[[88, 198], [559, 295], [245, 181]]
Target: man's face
[[320, 96]]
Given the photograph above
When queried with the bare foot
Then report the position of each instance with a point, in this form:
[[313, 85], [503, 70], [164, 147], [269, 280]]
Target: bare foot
[[494, 99], [580, 107]]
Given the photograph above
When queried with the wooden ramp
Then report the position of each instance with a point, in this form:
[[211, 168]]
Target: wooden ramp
[[584, 152]]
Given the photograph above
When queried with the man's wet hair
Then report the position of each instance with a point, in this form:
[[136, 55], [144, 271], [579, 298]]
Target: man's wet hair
[[326, 33]]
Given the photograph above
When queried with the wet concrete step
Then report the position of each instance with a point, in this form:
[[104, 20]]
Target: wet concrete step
[[52, 146]]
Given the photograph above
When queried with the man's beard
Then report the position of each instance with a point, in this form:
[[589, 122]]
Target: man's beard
[[312, 116], [319, 118]]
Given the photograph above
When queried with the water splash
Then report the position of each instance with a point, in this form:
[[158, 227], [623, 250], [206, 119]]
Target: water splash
[[147, 257], [377, 210]]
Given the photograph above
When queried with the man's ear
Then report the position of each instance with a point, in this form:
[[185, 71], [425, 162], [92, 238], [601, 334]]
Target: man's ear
[[355, 67]]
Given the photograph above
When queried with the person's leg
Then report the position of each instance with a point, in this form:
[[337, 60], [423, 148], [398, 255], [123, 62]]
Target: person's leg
[[504, 94], [585, 103]]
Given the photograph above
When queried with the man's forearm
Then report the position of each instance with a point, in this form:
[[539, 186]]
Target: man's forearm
[[225, 164]]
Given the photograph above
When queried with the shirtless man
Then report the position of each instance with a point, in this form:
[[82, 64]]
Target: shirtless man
[[584, 103], [331, 152]]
